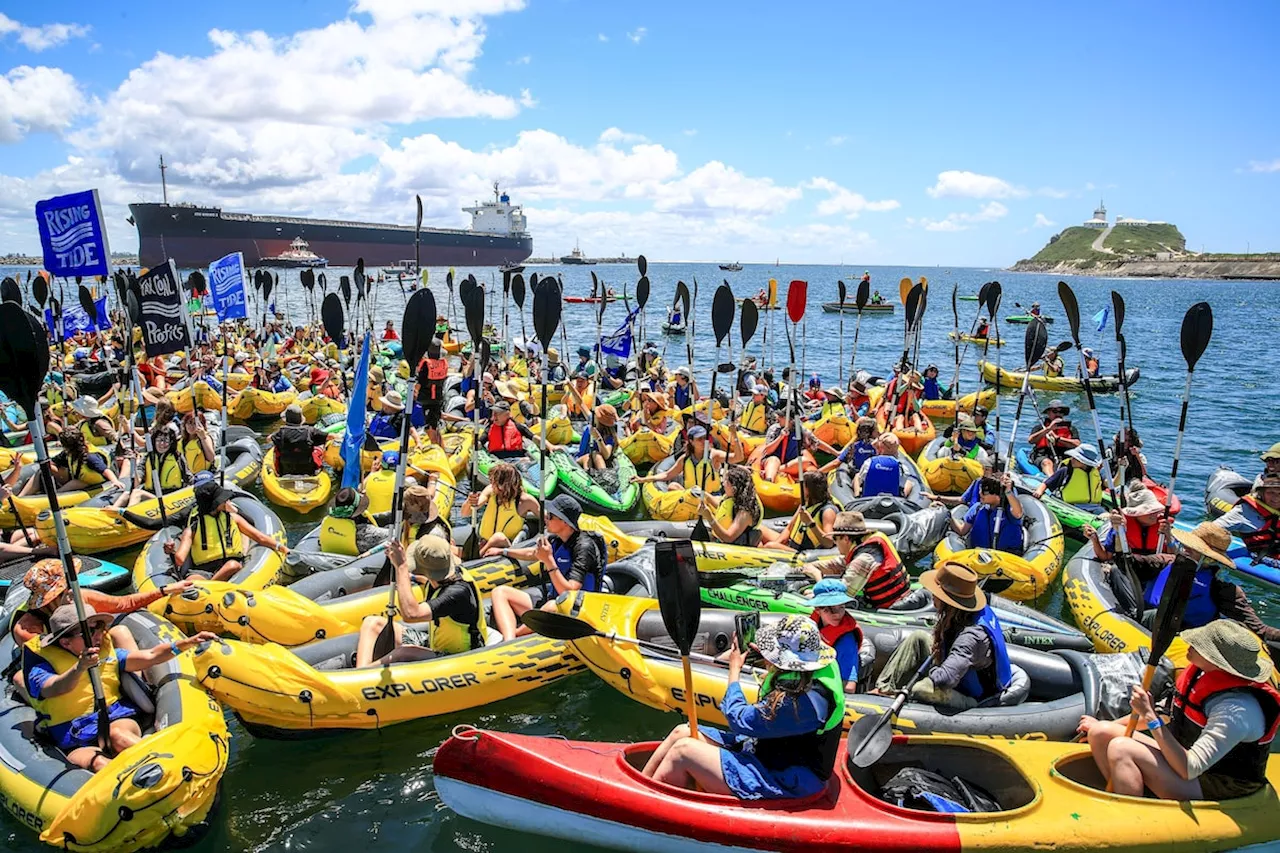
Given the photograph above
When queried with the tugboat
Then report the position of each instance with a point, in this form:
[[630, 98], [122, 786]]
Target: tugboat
[[576, 258], [733, 267], [298, 255]]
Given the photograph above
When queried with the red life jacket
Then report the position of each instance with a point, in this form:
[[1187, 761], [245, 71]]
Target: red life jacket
[[1245, 761], [1265, 540], [887, 583], [832, 633], [1060, 431], [1142, 540], [432, 373], [505, 438]]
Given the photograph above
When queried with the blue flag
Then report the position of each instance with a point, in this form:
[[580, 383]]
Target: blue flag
[[75, 320], [1101, 317], [226, 281], [620, 342], [354, 439], [73, 237]]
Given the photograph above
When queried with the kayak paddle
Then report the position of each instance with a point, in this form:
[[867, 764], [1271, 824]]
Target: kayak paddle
[[1072, 309], [558, 626], [860, 300], [546, 319], [992, 305], [843, 292], [681, 607], [1197, 328], [642, 299], [473, 310], [722, 307], [872, 735], [797, 297]]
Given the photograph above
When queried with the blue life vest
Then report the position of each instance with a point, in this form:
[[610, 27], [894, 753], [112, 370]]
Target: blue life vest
[[381, 426], [983, 533], [1200, 607], [564, 562], [683, 396], [931, 390], [883, 477], [417, 417], [862, 451], [587, 445], [971, 684]]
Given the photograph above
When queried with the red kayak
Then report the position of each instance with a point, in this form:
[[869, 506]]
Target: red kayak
[[591, 299]]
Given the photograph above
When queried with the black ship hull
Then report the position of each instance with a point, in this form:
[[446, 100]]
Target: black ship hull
[[195, 237]]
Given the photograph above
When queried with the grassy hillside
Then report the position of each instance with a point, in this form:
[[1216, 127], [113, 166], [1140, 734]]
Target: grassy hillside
[[1072, 244], [1145, 239]]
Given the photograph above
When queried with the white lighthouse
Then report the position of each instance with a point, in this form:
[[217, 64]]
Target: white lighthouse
[[1099, 219]]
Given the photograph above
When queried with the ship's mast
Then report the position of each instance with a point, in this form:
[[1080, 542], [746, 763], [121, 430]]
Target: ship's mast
[[164, 187]]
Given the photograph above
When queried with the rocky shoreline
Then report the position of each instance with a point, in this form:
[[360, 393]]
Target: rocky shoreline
[[1225, 270]]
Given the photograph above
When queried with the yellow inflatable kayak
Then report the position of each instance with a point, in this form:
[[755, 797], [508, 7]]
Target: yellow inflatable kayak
[[947, 474], [296, 492], [166, 785], [1020, 577], [252, 403], [1011, 381], [646, 447], [316, 407], [945, 410]]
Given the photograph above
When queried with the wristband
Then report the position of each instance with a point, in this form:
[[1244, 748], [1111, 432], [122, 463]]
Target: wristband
[[173, 647], [1157, 723]]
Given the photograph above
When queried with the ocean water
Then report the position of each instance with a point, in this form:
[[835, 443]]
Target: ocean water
[[373, 791]]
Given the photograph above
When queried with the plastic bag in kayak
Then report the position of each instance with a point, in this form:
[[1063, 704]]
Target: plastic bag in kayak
[[1118, 673], [923, 790]]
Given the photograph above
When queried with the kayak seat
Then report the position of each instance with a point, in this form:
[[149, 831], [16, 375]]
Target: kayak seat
[[1015, 694], [999, 778]]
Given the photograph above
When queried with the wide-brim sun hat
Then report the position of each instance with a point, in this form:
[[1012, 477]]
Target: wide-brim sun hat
[[1233, 648], [794, 644], [1141, 501], [830, 592], [392, 400], [1208, 539], [955, 584], [1086, 454]]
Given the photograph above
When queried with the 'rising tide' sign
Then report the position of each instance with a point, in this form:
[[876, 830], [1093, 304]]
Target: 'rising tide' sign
[[73, 235]]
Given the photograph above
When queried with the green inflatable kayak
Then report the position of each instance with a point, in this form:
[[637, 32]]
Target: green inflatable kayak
[[1024, 319], [594, 494], [527, 465]]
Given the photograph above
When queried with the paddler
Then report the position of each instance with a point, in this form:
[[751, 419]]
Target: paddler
[[155, 379], [163, 464], [387, 422], [755, 414], [1215, 743], [782, 747], [503, 505], [839, 629], [196, 445], [299, 447], [271, 379], [97, 429], [1079, 482], [654, 414], [867, 562], [747, 375], [1256, 519], [1145, 523], [781, 451], [1135, 461], [812, 524], [970, 663], [965, 444], [814, 394], [932, 390], [1052, 362], [506, 436], [451, 606], [76, 467], [389, 332], [555, 370], [903, 399], [995, 521], [681, 391], [572, 560], [615, 373], [856, 400], [690, 466], [1091, 363], [1055, 437], [586, 366], [734, 518], [984, 329], [351, 527], [884, 473], [580, 397], [54, 668], [600, 440], [212, 544]]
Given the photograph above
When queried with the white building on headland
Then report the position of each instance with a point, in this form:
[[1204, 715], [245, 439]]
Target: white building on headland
[[1099, 220], [1124, 220]]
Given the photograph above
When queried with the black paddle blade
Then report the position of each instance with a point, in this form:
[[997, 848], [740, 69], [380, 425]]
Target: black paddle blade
[[557, 626], [332, 316], [448, 280], [418, 326], [994, 292], [842, 291], [642, 264], [642, 291], [473, 306], [871, 738], [266, 288], [86, 303], [517, 290], [546, 312], [1071, 307], [418, 199], [1173, 606], [199, 286], [24, 357], [682, 299], [1197, 328], [344, 285], [722, 312], [308, 278], [9, 291], [40, 288], [748, 320], [506, 282], [863, 295], [55, 307], [1037, 338], [324, 283], [1117, 309], [360, 277], [982, 295], [132, 304], [678, 596], [913, 305], [955, 308]]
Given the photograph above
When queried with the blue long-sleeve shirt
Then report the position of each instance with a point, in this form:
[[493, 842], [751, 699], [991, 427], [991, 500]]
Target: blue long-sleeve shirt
[[793, 717]]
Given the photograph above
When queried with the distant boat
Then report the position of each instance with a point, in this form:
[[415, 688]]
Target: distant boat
[[513, 269], [409, 268], [576, 258], [733, 267], [298, 254], [852, 308]]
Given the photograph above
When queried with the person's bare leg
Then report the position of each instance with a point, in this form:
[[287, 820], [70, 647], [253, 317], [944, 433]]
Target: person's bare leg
[[124, 734], [680, 732], [1046, 465], [370, 628], [1101, 734], [693, 761], [89, 757], [509, 605], [1137, 763], [228, 570], [770, 470]]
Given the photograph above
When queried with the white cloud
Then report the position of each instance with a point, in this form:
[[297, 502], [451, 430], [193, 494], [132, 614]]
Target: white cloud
[[527, 100], [42, 37], [614, 134], [37, 99], [957, 184], [715, 187], [601, 37], [1264, 166], [841, 201], [638, 34], [989, 212], [693, 131], [1043, 221], [837, 140], [522, 60]]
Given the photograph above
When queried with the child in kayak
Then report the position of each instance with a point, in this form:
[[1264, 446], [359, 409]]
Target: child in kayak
[[783, 746]]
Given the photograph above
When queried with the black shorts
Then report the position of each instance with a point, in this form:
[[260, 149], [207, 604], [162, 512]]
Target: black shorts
[[208, 570], [431, 414]]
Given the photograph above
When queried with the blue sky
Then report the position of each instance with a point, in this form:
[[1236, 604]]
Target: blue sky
[[894, 133]]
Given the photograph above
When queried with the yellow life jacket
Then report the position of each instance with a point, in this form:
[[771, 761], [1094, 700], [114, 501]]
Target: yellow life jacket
[[580, 411], [503, 519], [1084, 486], [809, 536], [755, 417], [193, 455], [518, 366], [90, 437], [84, 473], [338, 535], [449, 637], [379, 487], [701, 475], [171, 473], [215, 538], [831, 408], [78, 701], [725, 513]]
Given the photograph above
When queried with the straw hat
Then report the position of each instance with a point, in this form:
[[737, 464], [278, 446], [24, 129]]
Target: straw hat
[[1232, 647], [957, 585], [606, 415], [506, 390], [553, 355], [417, 505], [1272, 452], [794, 645], [392, 400], [849, 523], [1209, 540]]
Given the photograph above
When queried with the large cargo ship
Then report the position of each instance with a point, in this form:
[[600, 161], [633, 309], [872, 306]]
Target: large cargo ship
[[194, 236]]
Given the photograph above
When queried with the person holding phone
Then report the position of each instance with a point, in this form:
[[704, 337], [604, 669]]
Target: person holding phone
[[782, 746]]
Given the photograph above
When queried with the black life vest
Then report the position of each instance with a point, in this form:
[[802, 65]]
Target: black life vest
[[293, 450]]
